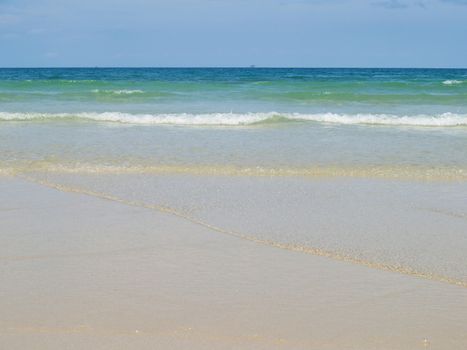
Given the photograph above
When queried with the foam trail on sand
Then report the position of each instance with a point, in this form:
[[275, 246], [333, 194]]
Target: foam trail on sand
[[335, 255]]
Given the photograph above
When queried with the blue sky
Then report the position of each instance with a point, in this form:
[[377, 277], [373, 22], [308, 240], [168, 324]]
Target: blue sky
[[304, 33]]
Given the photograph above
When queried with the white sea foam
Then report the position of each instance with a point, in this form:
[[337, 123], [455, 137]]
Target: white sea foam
[[452, 82], [127, 92], [238, 119], [119, 92]]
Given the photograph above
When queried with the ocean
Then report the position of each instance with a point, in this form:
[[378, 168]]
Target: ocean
[[367, 166]]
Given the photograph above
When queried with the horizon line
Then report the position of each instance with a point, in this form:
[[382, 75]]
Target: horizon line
[[223, 67]]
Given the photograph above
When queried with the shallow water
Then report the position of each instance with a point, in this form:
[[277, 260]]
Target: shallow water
[[363, 165], [404, 226]]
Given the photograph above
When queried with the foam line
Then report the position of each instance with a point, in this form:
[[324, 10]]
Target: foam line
[[401, 269], [242, 119]]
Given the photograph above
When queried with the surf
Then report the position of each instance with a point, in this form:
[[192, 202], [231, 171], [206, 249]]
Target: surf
[[447, 119]]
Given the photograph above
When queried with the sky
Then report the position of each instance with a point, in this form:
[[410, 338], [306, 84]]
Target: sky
[[270, 33]]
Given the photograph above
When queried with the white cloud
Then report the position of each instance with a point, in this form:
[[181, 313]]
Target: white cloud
[[8, 18]]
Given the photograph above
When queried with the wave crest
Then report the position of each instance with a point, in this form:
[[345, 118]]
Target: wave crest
[[244, 119], [119, 92], [452, 82]]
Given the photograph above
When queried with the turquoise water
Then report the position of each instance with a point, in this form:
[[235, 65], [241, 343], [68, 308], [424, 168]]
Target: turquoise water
[[273, 118], [363, 165], [400, 92]]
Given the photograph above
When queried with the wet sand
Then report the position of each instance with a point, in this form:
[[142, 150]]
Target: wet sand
[[79, 272]]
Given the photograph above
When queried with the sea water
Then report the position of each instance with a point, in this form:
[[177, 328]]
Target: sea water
[[367, 166]]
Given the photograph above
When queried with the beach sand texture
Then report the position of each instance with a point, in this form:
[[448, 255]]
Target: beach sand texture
[[84, 272]]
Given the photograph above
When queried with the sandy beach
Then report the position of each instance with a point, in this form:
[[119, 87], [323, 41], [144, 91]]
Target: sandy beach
[[82, 272], [233, 175], [233, 208]]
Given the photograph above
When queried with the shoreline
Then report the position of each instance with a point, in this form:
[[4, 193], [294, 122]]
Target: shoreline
[[107, 275]]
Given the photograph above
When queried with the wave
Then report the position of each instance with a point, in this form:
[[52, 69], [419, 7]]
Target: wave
[[452, 82], [245, 119], [119, 92]]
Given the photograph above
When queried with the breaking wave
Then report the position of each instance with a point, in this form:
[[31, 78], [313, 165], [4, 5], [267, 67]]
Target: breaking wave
[[452, 82], [239, 119], [119, 92]]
